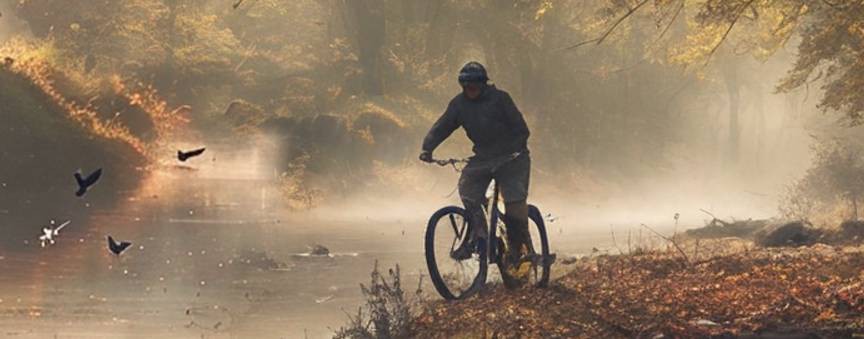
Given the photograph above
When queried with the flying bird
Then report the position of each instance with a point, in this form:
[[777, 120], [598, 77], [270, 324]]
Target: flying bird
[[182, 156], [237, 4], [48, 233], [324, 299], [85, 183], [551, 218], [116, 247]]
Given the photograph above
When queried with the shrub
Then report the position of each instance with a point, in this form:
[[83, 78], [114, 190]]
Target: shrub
[[388, 311]]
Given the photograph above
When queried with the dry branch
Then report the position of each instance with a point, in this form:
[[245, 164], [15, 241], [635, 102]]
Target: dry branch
[[674, 243], [611, 29]]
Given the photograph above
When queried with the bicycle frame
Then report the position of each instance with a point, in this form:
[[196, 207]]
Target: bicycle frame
[[494, 215], [494, 249], [492, 212]]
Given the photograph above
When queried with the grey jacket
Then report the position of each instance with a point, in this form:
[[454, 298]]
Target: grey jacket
[[492, 122]]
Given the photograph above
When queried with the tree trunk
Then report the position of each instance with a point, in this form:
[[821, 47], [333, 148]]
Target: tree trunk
[[366, 19], [439, 36], [730, 74]]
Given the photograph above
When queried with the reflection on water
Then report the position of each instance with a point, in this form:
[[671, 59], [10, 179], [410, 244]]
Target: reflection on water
[[213, 254]]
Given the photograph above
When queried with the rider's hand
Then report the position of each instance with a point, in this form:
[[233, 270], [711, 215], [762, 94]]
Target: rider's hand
[[426, 156]]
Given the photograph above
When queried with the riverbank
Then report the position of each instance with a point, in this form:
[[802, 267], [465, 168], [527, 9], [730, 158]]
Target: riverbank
[[745, 292], [44, 148]]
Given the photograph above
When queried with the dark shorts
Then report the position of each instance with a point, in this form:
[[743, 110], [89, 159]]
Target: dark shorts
[[512, 176]]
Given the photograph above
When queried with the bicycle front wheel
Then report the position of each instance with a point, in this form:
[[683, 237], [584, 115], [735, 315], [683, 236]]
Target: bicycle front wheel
[[453, 277]]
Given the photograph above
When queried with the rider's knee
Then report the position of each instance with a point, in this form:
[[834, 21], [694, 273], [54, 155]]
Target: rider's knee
[[472, 206], [517, 208]]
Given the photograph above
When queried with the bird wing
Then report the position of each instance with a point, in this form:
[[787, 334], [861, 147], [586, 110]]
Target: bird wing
[[78, 178], [117, 248], [93, 177], [61, 226], [196, 152]]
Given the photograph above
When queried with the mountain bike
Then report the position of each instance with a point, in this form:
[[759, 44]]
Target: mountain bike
[[447, 229]]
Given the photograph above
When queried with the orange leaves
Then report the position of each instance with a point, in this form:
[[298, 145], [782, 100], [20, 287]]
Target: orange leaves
[[164, 119], [41, 75], [623, 296]]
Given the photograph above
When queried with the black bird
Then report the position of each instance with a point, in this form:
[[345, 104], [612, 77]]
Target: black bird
[[117, 248], [85, 183], [182, 156]]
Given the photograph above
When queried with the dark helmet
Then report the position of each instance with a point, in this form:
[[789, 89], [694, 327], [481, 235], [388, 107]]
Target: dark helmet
[[473, 72]]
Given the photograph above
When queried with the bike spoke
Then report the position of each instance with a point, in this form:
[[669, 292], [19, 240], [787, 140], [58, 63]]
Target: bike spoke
[[457, 237], [455, 229]]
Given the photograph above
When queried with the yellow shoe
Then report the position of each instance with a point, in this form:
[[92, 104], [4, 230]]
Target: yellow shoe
[[516, 272]]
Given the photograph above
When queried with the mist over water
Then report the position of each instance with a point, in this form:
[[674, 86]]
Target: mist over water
[[203, 235], [218, 249]]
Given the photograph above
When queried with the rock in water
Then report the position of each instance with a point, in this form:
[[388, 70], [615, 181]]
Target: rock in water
[[319, 250]]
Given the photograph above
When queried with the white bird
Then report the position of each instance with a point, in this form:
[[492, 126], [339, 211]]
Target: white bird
[[324, 299], [48, 233]]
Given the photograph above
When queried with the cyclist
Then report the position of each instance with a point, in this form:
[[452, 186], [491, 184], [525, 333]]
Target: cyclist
[[500, 135]]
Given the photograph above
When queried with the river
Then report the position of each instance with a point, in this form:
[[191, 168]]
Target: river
[[214, 254]]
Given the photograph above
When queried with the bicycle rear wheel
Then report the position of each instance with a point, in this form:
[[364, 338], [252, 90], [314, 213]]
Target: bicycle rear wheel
[[453, 279], [540, 246]]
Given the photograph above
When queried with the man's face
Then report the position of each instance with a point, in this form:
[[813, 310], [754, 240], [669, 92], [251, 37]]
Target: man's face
[[472, 89]]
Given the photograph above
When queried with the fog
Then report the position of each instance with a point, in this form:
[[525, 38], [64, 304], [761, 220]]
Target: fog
[[313, 112]]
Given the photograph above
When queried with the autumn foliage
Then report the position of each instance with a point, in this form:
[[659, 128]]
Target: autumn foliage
[[817, 290]]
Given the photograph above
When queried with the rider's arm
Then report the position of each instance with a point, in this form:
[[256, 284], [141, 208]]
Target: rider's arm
[[514, 118], [446, 124]]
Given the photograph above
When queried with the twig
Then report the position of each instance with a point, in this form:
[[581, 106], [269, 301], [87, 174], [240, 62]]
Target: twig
[[674, 243], [696, 250], [726, 34], [708, 213], [672, 21], [608, 31], [580, 44], [613, 240], [248, 53], [629, 250]]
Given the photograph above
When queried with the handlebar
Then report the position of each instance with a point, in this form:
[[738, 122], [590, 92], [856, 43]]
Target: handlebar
[[445, 162]]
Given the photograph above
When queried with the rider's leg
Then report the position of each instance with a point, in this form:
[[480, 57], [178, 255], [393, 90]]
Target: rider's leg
[[517, 228], [472, 189], [477, 227], [514, 177], [473, 182]]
